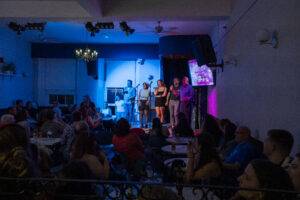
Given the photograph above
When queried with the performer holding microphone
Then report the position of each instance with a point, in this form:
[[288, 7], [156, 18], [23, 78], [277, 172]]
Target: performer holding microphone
[[144, 104], [129, 97]]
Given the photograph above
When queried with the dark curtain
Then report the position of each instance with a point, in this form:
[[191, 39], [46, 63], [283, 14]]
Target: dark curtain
[[179, 68], [174, 68]]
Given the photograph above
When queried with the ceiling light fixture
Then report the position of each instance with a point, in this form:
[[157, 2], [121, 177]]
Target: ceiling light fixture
[[19, 28], [126, 29], [94, 29], [86, 54]]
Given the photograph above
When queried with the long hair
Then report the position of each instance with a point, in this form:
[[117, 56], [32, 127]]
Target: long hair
[[208, 152], [211, 126], [146, 84], [162, 83], [83, 144]]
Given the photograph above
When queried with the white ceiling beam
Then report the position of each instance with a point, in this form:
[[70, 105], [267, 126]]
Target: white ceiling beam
[[167, 9], [42, 10]]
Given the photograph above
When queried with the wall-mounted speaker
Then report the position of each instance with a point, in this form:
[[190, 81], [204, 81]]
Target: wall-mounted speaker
[[92, 69], [204, 51]]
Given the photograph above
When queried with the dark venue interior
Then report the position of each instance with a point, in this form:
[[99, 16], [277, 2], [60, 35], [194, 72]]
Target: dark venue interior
[[149, 100]]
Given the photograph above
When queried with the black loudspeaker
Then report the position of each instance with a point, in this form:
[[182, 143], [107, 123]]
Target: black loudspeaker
[[92, 69], [204, 51]]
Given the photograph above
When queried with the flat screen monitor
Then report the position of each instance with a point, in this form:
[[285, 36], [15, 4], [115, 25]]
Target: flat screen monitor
[[200, 75]]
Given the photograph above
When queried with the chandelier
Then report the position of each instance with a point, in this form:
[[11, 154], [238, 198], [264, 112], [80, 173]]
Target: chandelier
[[86, 54]]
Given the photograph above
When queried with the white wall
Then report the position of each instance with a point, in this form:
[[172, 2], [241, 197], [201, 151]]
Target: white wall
[[119, 71], [263, 91], [14, 49], [66, 76]]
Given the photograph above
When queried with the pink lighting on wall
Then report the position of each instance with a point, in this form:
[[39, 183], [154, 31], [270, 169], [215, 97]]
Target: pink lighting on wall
[[212, 102]]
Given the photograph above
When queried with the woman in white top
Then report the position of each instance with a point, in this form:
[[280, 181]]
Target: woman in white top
[[120, 107], [144, 97]]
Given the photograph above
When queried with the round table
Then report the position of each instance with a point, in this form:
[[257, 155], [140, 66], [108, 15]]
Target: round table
[[168, 162], [179, 149], [45, 141], [179, 140]]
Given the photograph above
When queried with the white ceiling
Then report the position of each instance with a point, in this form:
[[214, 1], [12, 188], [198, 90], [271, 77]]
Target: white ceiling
[[74, 32], [66, 19]]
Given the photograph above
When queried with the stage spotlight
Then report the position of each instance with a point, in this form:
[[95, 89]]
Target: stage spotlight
[[93, 29], [126, 29], [29, 26], [16, 27], [141, 61], [106, 25]]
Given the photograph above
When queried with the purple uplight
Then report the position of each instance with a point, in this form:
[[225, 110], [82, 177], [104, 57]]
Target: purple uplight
[[212, 102]]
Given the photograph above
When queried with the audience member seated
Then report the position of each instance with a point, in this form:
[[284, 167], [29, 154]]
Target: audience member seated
[[51, 127], [246, 150], [85, 149], [19, 105], [14, 151], [203, 160], [263, 174], [87, 102], [75, 170], [7, 119], [21, 119], [56, 109], [127, 143], [183, 129], [211, 126], [69, 132], [278, 146], [12, 111], [228, 129], [32, 112], [294, 172], [156, 139], [92, 122], [15, 161]]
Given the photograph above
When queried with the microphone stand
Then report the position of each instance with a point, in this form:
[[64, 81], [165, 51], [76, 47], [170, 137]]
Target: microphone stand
[[149, 118]]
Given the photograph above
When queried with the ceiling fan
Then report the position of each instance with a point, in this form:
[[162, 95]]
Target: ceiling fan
[[159, 29]]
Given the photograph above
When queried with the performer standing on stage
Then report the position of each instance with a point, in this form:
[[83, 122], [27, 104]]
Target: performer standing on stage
[[144, 102], [129, 97], [160, 94], [173, 100], [186, 98]]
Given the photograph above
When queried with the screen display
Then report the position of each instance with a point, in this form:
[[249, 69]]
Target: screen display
[[200, 75]]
